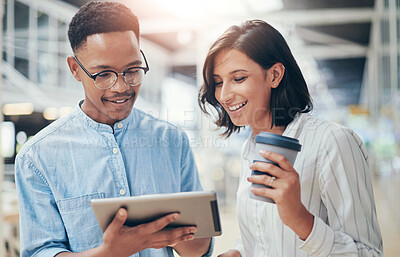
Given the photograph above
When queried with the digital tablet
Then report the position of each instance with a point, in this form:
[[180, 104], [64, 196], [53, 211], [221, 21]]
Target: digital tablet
[[196, 208]]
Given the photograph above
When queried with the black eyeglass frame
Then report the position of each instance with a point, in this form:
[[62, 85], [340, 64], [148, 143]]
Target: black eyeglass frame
[[94, 75]]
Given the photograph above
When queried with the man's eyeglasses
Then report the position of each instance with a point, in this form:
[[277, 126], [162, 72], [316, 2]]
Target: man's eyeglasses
[[106, 79]]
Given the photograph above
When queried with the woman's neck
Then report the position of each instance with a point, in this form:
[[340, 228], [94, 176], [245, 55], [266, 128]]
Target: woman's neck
[[265, 126], [275, 130]]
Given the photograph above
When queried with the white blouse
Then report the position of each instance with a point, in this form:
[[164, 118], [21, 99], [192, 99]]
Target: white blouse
[[335, 187]]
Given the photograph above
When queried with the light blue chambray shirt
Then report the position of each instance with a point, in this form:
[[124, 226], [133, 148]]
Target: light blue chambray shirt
[[76, 159]]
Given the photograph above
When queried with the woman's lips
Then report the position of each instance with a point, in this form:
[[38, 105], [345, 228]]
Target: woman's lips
[[233, 109]]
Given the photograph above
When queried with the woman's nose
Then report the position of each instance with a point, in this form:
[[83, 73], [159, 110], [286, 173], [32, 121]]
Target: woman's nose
[[225, 93]]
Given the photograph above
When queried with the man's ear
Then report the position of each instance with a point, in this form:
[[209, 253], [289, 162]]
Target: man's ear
[[277, 71], [73, 67]]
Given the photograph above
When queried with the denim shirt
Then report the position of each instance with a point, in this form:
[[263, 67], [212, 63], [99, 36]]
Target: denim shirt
[[76, 159]]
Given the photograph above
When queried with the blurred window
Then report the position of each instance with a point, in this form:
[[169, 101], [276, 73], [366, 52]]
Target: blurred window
[[21, 25], [43, 47]]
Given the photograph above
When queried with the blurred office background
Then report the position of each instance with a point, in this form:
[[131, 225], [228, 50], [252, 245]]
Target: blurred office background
[[348, 51]]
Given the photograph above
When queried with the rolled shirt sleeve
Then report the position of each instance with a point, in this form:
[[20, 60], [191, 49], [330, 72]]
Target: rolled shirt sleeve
[[352, 228]]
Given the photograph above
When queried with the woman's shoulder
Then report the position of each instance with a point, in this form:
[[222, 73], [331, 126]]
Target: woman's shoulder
[[329, 133], [314, 124]]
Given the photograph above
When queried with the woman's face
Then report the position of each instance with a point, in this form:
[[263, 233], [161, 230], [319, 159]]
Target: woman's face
[[243, 88]]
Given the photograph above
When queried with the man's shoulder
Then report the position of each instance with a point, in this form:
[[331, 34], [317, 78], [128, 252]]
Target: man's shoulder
[[46, 134]]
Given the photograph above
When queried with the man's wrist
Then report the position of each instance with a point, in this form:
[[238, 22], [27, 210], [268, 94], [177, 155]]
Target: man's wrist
[[101, 251]]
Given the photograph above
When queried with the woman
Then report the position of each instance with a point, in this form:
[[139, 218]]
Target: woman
[[324, 202]]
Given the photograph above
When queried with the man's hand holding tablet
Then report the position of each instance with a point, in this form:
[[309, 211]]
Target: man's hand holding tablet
[[194, 213], [148, 235]]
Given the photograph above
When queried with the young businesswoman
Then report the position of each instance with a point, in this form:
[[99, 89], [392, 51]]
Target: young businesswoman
[[324, 202]]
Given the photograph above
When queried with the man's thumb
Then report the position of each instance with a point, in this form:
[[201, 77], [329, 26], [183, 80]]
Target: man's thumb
[[119, 220]]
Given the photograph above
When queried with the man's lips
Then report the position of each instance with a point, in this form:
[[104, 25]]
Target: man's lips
[[119, 99]]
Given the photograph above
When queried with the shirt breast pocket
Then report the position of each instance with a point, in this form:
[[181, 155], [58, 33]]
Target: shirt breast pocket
[[80, 223]]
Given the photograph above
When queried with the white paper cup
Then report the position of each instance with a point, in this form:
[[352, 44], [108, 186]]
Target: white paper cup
[[286, 146]]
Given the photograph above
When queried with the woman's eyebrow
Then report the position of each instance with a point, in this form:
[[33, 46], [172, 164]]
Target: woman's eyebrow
[[232, 72], [239, 70]]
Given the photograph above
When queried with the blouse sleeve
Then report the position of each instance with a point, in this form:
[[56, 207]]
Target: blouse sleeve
[[352, 227]]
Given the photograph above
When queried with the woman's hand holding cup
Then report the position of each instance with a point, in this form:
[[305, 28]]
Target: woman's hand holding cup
[[284, 189], [274, 180]]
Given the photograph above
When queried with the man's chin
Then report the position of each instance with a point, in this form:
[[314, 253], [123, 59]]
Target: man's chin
[[119, 115]]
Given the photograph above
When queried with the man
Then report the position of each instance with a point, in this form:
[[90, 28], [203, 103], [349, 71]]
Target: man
[[104, 148]]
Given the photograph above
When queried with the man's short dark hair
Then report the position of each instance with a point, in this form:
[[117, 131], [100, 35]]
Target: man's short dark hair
[[266, 46], [100, 17]]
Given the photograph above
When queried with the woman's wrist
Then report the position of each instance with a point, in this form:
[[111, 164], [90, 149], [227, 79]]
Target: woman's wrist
[[304, 225]]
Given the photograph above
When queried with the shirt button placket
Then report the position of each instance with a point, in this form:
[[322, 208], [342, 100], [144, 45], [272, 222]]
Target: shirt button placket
[[115, 151]]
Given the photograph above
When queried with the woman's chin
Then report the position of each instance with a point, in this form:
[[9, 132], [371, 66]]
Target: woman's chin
[[239, 123]]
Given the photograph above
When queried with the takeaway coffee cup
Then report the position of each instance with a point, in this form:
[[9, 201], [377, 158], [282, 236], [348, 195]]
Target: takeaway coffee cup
[[286, 146]]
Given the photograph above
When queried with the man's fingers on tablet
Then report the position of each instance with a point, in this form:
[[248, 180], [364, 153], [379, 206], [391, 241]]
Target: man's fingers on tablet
[[173, 236], [171, 239], [161, 223], [173, 242], [186, 237], [181, 232]]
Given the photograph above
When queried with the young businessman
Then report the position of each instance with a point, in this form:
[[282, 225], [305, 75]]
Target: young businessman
[[104, 148]]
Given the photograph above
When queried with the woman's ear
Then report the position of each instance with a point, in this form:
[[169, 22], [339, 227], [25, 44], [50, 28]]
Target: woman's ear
[[277, 71], [73, 67]]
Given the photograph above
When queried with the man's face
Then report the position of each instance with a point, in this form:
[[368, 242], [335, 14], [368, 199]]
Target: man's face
[[115, 51]]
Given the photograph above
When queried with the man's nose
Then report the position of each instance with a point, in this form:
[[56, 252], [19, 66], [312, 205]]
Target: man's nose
[[120, 86]]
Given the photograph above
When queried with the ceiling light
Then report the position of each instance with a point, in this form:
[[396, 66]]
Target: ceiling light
[[50, 113], [183, 8], [18, 109], [262, 6]]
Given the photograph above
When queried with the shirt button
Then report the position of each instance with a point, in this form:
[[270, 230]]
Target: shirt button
[[115, 150], [122, 192], [120, 125]]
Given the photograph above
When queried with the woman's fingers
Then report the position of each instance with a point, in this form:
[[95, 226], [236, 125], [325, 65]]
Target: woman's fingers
[[266, 192], [268, 169], [270, 181], [281, 160]]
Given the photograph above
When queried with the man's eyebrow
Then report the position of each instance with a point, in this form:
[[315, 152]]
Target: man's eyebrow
[[107, 67]]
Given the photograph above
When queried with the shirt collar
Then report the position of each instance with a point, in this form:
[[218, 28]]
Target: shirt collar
[[294, 128], [131, 120]]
